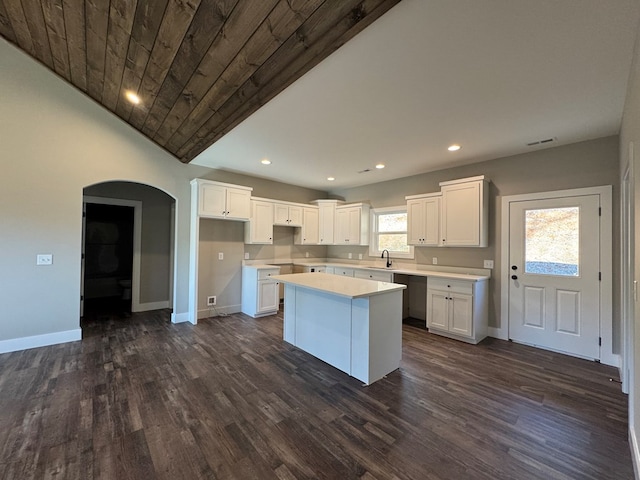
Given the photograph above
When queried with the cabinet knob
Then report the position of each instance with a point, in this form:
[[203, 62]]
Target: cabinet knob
[[514, 277], [513, 267]]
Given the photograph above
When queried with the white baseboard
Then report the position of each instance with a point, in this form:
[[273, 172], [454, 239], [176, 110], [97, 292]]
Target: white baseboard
[[24, 343], [500, 333], [210, 312], [145, 307], [635, 451], [179, 317]]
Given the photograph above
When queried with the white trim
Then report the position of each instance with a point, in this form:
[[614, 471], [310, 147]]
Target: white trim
[[606, 263], [225, 310], [374, 251], [180, 317], [194, 247], [137, 241], [24, 343], [635, 450], [145, 307]]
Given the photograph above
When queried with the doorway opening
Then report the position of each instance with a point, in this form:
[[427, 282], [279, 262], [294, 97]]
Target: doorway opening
[[108, 259]]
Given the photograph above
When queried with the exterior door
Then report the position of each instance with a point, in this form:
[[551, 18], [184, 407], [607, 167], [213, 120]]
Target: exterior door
[[554, 269]]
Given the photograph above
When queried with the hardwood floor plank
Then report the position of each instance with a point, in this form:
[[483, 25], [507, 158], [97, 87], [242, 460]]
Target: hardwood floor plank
[[228, 399]]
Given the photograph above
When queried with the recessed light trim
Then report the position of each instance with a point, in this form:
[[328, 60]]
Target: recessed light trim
[[132, 97], [265, 161], [331, 179], [380, 166], [454, 148]]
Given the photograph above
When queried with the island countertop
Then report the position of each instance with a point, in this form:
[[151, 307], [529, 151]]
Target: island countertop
[[339, 285]]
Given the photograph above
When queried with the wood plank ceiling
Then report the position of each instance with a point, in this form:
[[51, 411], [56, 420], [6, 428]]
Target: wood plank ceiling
[[200, 67]]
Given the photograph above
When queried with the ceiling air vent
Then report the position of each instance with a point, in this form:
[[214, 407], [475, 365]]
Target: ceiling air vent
[[541, 142]]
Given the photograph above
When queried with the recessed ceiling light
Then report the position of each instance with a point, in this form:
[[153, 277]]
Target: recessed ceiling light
[[331, 179], [454, 148], [265, 161], [132, 97], [380, 166]]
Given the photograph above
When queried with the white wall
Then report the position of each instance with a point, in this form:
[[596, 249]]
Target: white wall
[[630, 133], [55, 142]]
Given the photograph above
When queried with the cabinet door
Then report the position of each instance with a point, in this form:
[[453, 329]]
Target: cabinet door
[[310, 226], [326, 224], [342, 227], [461, 211], [354, 226], [213, 201], [431, 232], [437, 309], [268, 296], [295, 216], [261, 223], [280, 214], [238, 204], [415, 221], [460, 314]]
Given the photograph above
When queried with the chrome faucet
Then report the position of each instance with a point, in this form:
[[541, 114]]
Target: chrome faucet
[[388, 257]]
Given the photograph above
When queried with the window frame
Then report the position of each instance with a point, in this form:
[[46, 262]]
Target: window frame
[[374, 250]]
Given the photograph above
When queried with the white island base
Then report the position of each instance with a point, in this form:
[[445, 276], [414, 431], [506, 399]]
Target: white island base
[[352, 324]]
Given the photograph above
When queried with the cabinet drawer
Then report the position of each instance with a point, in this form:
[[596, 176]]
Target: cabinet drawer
[[343, 271], [264, 274], [449, 285], [373, 275]]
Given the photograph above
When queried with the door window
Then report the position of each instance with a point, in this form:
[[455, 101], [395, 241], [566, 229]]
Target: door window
[[552, 241]]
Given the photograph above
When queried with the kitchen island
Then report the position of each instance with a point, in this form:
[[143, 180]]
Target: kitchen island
[[352, 324]]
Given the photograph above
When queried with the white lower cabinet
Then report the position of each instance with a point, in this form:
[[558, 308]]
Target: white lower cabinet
[[458, 308], [260, 293]]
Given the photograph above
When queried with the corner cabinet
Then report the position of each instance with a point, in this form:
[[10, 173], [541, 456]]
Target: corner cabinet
[[352, 224], [458, 308], [423, 219], [260, 292], [222, 200], [465, 212], [259, 228]]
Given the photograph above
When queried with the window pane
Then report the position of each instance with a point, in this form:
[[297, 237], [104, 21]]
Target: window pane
[[394, 242], [552, 244], [392, 222]]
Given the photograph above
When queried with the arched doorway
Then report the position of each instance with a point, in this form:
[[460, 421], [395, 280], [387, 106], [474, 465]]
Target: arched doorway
[[128, 249]]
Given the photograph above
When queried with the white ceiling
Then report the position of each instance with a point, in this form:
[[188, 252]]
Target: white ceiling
[[491, 75]]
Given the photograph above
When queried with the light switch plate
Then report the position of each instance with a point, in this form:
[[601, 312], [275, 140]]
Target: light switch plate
[[488, 264], [434, 260], [246, 255], [220, 256]]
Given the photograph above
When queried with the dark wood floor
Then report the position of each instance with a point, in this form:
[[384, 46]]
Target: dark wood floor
[[140, 398]]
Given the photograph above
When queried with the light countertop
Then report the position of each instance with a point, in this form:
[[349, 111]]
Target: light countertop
[[339, 285]]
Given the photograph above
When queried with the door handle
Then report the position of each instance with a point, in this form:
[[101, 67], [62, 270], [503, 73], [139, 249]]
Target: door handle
[[514, 277]]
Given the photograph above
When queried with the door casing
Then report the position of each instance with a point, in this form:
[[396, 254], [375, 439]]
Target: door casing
[[606, 261]]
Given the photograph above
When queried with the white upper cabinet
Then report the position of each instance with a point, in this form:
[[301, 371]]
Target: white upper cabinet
[[308, 233], [259, 229], [465, 212], [352, 225], [327, 220], [222, 200], [423, 214], [287, 215]]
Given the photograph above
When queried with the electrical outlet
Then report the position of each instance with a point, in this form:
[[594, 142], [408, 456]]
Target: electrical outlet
[[220, 256], [246, 255], [211, 301], [359, 256], [488, 264], [434, 260], [306, 254], [44, 259], [350, 256]]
